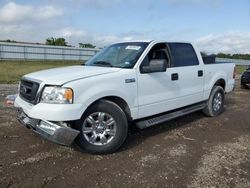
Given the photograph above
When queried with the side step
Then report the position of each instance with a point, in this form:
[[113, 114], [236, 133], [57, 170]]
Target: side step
[[142, 124]]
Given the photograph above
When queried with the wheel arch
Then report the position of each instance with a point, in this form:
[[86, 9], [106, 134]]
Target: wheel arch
[[117, 100], [221, 82]]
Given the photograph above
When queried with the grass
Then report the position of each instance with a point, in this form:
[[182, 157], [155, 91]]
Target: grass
[[12, 71], [240, 69]]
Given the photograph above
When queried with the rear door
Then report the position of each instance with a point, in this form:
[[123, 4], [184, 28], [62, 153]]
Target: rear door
[[185, 63]]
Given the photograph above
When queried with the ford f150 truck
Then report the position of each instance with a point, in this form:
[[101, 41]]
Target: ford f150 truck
[[144, 82]]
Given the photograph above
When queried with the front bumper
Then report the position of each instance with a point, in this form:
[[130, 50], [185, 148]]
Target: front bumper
[[51, 112], [49, 130]]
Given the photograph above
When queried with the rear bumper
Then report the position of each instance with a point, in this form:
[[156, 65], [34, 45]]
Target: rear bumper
[[49, 130]]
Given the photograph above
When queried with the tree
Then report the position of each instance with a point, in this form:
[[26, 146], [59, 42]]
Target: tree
[[86, 45], [222, 55], [56, 41], [8, 40], [234, 56]]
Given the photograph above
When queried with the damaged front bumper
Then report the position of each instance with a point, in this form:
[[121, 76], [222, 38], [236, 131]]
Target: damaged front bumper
[[52, 131]]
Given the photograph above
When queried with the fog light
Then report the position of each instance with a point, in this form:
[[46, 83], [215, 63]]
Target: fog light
[[48, 127]]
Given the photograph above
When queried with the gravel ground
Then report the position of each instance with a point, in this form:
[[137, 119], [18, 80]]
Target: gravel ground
[[191, 151]]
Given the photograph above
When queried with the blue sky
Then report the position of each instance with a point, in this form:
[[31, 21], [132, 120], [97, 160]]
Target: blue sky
[[214, 25]]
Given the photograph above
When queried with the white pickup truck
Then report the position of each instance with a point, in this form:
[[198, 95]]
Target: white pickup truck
[[144, 82]]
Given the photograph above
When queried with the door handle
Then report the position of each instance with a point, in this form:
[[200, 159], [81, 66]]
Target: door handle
[[200, 73], [174, 76]]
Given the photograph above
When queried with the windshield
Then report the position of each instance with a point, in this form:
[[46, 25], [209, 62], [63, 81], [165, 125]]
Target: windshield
[[121, 55]]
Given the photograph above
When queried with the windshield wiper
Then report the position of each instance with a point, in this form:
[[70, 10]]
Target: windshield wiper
[[105, 63]]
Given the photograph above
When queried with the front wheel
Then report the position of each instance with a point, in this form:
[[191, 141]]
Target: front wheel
[[215, 103], [103, 128]]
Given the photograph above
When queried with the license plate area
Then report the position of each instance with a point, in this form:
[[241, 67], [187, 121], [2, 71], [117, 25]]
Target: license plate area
[[24, 119]]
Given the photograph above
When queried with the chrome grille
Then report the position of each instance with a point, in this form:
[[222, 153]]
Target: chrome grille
[[28, 91]]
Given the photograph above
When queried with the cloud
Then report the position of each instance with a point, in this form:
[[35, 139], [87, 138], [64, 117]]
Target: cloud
[[75, 36], [231, 42], [27, 22], [96, 4], [15, 13], [48, 12]]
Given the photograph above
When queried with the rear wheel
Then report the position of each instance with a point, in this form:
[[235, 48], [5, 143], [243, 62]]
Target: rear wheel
[[103, 128], [215, 103]]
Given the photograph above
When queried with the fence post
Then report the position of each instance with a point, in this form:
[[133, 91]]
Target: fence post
[[24, 53], [63, 54], [1, 52], [44, 54], [80, 54]]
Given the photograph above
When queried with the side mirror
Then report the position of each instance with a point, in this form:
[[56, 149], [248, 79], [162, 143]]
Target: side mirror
[[155, 65]]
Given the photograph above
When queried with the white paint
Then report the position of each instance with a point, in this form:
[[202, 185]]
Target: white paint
[[150, 94]]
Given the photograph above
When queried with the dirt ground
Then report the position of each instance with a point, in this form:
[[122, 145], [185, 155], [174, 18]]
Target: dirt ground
[[191, 151]]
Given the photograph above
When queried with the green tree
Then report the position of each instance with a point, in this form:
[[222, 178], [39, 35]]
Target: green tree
[[222, 55], [234, 56], [8, 40], [86, 45], [56, 41]]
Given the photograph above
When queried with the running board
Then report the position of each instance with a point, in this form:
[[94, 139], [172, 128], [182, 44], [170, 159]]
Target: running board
[[142, 124]]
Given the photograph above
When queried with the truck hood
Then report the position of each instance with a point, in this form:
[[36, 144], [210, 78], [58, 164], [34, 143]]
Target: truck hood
[[60, 76]]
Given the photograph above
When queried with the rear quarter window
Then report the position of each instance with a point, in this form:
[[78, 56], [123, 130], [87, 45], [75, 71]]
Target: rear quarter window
[[183, 54]]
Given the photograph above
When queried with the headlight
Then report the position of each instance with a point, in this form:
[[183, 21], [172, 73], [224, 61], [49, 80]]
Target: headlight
[[57, 95]]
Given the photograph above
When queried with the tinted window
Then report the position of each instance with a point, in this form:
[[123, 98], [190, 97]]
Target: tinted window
[[183, 54]]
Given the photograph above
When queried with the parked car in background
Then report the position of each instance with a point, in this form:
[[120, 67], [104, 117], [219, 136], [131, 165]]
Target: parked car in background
[[245, 78]]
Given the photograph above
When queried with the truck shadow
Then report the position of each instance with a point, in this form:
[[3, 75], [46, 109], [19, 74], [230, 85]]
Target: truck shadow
[[137, 136]]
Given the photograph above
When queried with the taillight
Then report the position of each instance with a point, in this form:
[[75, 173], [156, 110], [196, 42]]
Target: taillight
[[234, 74]]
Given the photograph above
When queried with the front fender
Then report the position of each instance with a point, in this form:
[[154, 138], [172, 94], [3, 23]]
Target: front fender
[[89, 90]]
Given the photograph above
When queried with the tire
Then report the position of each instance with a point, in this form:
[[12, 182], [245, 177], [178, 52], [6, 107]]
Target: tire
[[243, 86], [103, 128], [215, 103]]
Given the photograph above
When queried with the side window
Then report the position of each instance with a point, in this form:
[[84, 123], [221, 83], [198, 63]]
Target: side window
[[159, 51], [183, 54]]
